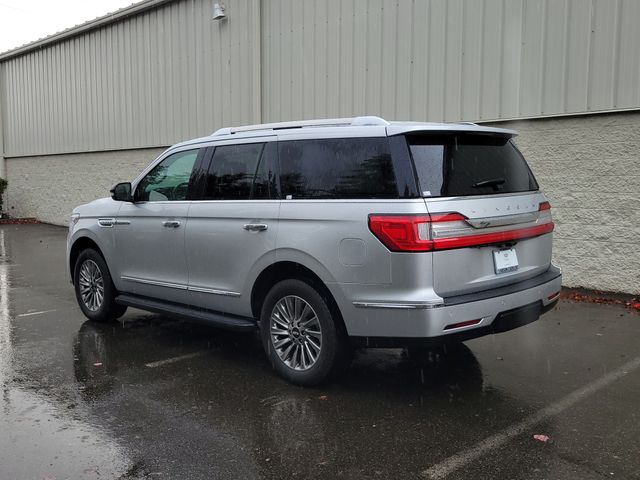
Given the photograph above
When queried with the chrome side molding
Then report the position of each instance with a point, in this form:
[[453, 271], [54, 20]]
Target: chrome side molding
[[180, 286], [406, 306]]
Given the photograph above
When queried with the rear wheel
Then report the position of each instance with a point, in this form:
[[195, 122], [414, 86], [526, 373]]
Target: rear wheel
[[302, 338], [95, 291]]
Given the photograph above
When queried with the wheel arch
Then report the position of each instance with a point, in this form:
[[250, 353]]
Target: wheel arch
[[284, 270], [80, 244]]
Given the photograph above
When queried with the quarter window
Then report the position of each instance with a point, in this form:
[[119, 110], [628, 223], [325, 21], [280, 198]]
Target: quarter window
[[169, 180], [337, 168]]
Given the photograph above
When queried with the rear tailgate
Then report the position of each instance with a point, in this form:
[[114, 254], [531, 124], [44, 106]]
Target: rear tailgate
[[490, 226], [498, 247]]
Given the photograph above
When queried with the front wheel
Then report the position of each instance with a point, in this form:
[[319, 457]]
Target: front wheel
[[95, 291], [302, 338]]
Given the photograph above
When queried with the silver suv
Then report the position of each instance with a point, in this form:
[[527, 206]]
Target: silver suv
[[326, 235]]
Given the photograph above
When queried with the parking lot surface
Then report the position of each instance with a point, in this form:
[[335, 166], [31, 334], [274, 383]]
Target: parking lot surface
[[154, 397]]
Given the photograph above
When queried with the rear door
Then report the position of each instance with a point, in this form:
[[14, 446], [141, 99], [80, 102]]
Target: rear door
[[490, 224], [233, 224]]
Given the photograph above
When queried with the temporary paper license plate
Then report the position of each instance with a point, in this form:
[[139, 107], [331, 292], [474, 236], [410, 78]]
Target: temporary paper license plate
[[505, 260]]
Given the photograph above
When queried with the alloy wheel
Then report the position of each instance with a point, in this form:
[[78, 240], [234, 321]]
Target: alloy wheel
[[91, 285], [296, 333]]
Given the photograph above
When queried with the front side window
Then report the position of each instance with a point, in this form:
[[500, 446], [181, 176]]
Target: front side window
[[240, 172], [169, 180], [337, 168]]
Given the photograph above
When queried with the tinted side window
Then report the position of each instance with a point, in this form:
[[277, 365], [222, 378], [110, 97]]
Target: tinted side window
[[238, 173], [264, 184], [337, 168], [169, 180]]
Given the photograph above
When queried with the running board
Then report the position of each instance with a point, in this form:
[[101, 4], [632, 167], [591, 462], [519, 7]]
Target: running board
[[221, 320]]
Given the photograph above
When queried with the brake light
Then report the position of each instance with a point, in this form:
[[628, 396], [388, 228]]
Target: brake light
[[445, 231], [402, 233]]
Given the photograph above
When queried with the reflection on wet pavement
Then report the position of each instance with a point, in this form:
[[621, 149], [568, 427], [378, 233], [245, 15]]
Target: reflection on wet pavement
[[5, 322], [158, 398]]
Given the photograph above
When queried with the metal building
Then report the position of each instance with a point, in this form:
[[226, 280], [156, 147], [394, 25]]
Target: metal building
[[92, 105]]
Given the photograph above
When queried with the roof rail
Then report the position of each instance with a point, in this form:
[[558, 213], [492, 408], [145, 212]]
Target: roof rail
[[328, 122], [467, 123]]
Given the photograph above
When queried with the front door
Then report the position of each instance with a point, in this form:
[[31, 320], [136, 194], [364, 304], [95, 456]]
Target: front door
[[150, 233]]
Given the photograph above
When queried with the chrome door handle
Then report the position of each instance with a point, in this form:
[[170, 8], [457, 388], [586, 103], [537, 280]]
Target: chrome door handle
[[171, 223], [255, 227], [106, 222]]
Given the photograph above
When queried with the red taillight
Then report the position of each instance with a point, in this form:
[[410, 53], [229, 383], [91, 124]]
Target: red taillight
[[444, 231], [409, 233], [402, 233]]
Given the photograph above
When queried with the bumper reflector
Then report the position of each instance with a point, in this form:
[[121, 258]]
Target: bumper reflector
[[468, 323]]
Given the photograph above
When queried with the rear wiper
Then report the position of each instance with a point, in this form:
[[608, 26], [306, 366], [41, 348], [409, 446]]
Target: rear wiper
[[494, 182]]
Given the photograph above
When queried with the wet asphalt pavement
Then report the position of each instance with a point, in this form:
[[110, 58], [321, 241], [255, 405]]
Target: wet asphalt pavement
[[158, 398]]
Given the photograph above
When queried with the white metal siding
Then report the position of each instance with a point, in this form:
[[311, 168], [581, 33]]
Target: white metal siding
[[171, 73], [449, 59], [165, 75]]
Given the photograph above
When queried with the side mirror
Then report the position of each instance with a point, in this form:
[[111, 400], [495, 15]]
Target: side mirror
[[121, 192]]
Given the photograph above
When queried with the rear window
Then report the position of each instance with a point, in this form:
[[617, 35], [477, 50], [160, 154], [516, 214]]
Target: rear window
[[464, 164], [337, 168]]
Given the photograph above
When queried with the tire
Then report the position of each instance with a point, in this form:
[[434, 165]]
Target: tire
[[304, 312], [98, 304]]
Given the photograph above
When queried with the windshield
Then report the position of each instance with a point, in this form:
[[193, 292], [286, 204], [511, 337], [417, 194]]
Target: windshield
[[462, 164]]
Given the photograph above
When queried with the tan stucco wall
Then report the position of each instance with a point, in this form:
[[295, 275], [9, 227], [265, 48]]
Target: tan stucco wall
[[589, 167], [49, 187]]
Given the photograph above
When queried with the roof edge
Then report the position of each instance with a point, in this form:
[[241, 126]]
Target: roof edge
[[109, 18]]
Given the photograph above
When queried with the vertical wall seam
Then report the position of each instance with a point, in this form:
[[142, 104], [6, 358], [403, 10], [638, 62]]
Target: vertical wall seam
[[543, 42], [616, 55], [258, 83], [592, 18], [3, 115], [567, 35]]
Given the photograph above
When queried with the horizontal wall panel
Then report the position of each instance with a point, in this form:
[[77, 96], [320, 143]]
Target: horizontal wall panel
[[471, 60], [164, 75]]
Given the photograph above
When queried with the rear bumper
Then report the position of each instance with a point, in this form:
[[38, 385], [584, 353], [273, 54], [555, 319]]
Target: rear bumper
[[497, 310]]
